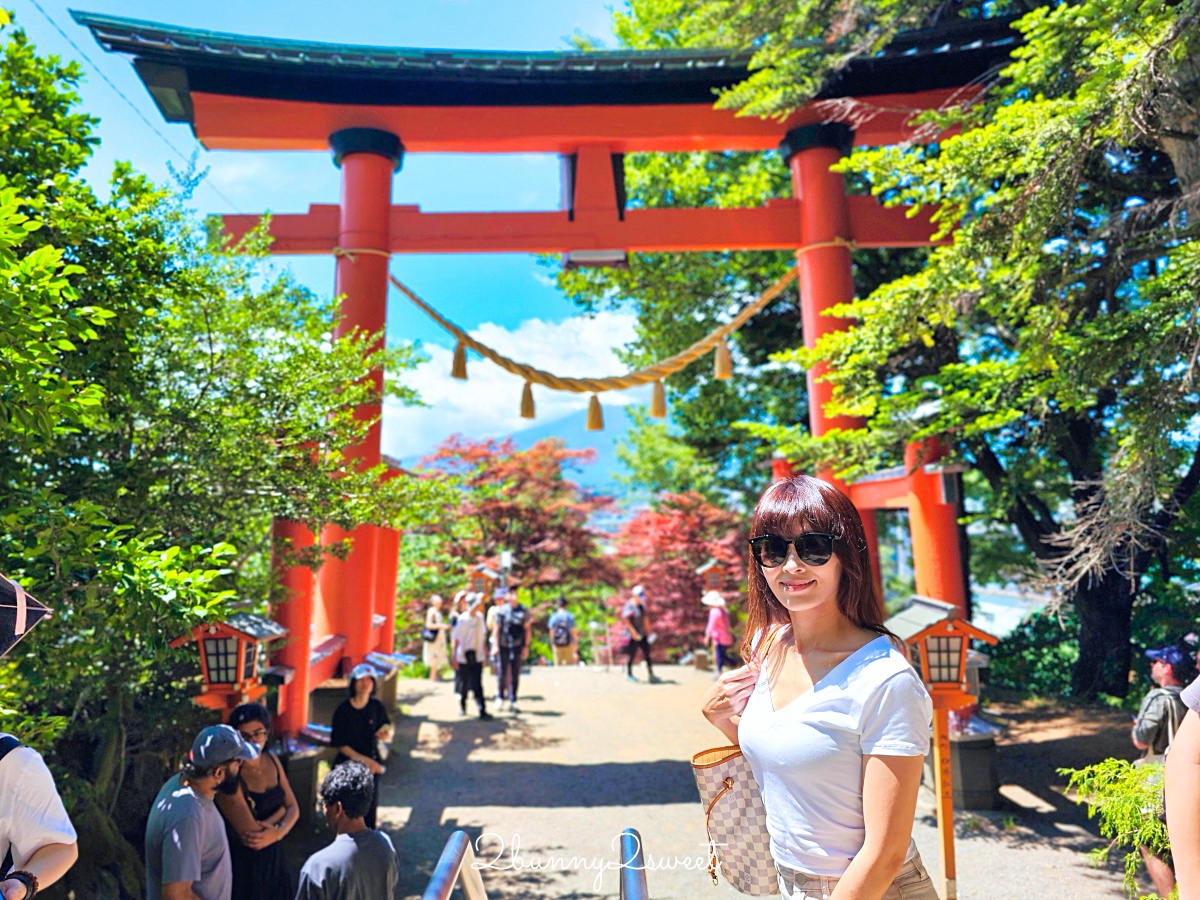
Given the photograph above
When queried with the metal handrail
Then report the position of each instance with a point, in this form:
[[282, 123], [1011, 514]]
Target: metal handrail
[[457, 862], [633, 867]]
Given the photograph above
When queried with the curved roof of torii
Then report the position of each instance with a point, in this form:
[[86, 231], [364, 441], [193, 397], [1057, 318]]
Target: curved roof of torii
[[242, 92]]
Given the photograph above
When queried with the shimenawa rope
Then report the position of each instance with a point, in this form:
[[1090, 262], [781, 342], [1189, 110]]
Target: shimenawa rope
[[654, 373]]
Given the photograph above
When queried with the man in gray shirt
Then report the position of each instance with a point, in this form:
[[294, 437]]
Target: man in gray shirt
[[187, 853], [361, 863], [1162, 710]]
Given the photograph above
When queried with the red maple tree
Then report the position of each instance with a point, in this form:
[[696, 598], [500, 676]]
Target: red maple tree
[[662, 547], [521, 500]]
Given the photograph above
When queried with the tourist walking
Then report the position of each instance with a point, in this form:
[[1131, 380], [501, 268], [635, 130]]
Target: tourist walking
[[458, 609], [361, 863], [716, 632], [1161, 712], [187, 853], [830, 715], [513, 630], [433, 651], [468, 644], [360, 726], [637, 637], [259, 810], [564, 640], [493, 647]]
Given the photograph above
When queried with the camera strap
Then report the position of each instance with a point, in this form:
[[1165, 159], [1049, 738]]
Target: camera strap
[[8, 744]]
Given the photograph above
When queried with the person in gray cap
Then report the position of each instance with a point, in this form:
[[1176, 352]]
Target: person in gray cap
[[187, 853]]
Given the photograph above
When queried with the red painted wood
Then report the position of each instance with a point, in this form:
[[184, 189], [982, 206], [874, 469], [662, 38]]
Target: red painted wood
[[348, 585], [295, 613], [775, 226], [244, 123]]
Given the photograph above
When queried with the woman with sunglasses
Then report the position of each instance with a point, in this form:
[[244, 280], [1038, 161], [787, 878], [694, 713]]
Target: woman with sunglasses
[[259, 810], [829, 713]]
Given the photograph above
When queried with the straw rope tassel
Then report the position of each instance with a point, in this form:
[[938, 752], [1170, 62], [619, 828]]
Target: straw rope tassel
[[658, 402], [595, 417], [528, 410], [722, 362], [458, 368]]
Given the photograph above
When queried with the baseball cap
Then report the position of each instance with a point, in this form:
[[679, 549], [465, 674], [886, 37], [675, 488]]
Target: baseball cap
[[364, 670], [219, 744], [1172, 655]]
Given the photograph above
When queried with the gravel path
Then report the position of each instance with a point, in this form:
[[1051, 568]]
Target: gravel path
[[591, 754]]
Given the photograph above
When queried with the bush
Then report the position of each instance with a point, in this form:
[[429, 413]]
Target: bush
[[1128, 800], [1038, 656], [415, 669]]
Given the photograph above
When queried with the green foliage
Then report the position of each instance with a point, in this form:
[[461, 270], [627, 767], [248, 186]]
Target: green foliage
[[659, 462], [160, 402], [1054, 339], [1127, 799], [1037, 656]]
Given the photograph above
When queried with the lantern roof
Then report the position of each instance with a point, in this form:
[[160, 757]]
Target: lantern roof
[[173, 62], [712, 563], [255, 627], [919, 614]]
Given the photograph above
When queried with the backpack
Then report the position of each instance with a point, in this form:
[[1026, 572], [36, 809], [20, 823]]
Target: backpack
[[560, 634]]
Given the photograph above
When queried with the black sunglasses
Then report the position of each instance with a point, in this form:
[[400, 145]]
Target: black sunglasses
[[813, 547]]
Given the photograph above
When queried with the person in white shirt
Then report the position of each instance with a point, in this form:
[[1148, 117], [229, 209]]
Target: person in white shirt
[[37, 841], [830, 715], [469, 641]]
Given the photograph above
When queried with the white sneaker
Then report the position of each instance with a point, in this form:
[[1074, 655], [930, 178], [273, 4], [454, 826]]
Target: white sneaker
[[513, 709]]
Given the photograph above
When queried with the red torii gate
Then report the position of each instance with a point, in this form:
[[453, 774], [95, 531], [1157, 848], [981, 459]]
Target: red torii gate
[[371, 105]]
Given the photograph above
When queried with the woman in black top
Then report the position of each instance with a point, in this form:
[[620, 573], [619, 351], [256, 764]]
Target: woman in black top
[[259, 811], [359, 723]]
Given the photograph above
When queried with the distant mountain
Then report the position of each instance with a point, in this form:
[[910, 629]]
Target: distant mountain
[[598, 476]]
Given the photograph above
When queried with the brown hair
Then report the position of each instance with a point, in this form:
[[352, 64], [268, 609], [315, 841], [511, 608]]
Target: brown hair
[[804, 503]]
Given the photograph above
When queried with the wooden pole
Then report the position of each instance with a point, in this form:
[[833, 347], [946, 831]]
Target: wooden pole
[[944, 789]]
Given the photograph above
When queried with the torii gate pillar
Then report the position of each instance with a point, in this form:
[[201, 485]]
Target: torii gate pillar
[[368, 159], [826, 278]]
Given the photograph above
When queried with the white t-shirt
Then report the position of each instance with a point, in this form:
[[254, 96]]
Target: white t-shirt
[[31, 812], [808, 756], [470, 634]]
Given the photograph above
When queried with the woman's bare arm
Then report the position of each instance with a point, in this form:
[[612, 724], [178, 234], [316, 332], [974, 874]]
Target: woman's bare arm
[[236, 811], [890, 785], [1182, 792]]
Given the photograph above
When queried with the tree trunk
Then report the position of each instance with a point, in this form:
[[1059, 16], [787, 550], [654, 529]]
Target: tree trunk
[[1105, 609]]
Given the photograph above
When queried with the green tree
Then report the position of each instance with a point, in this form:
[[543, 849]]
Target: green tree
[[1054, 342], [659, 462], [160, 402]]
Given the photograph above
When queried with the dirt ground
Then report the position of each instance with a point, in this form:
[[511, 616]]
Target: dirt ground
[[591, 754]]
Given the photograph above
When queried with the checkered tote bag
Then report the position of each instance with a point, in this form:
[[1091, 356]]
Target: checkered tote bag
[[736, 820]]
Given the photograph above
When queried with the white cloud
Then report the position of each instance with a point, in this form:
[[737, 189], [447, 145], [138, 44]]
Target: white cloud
[[488, 404]]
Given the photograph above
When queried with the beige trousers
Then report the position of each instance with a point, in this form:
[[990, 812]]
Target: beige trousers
[[912, 883]]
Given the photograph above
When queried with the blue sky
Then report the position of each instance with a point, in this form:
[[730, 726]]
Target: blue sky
[[507, 300]]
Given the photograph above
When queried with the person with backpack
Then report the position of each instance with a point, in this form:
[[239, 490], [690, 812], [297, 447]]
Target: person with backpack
[[37, 840], [1159, 717], [513, 630], [562, 635]]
